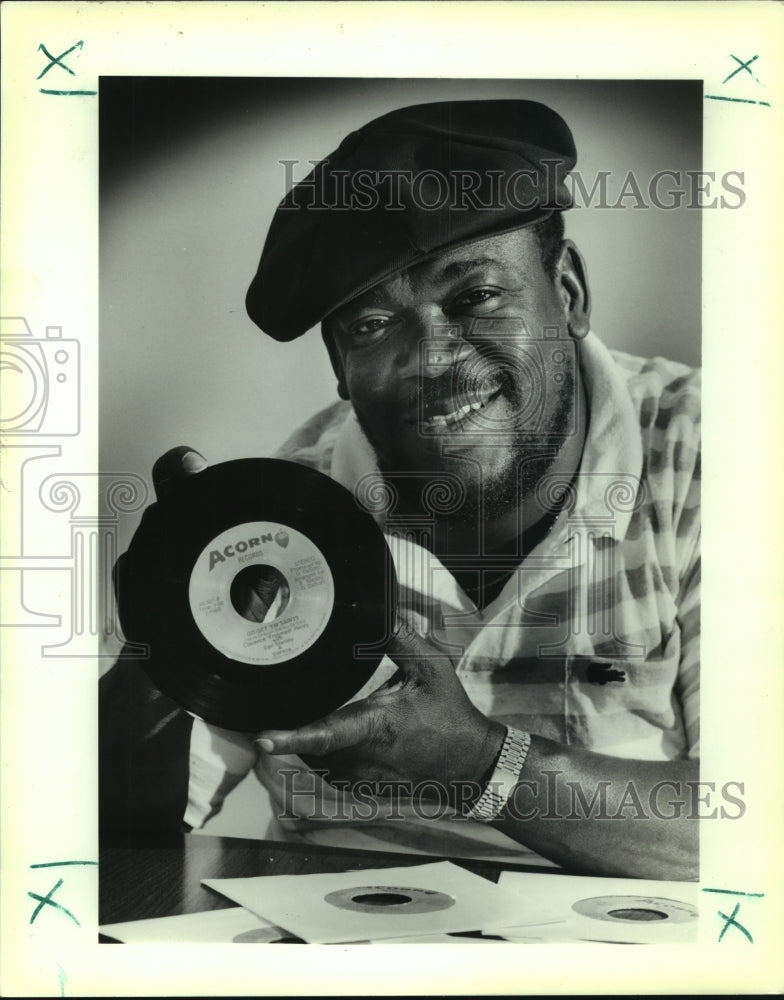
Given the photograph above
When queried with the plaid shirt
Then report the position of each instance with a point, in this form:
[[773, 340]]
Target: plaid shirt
[[594, 639]]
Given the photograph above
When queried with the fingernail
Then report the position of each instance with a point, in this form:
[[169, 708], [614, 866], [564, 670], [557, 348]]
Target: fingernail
[[266, 744], [192, 462]]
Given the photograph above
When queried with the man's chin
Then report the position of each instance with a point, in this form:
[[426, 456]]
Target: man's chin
[[467, 484], [445, 483], [433, 458]]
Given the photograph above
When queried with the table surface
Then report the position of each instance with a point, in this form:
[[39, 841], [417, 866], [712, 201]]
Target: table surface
[[163, 879]]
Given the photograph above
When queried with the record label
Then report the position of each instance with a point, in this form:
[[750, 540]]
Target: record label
[[389, 899], [648, 909], [292, 590]]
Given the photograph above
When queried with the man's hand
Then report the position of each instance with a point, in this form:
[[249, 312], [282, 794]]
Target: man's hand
[[169, 469], [174, 466], [255, 596], [418, 728]]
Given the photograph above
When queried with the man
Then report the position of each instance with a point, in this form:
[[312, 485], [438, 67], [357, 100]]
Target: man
[[543, 519]]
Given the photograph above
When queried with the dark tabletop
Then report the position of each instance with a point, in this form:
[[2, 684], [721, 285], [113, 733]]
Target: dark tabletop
[[163, 879]]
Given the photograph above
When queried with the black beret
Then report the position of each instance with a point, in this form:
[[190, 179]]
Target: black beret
[[405, 186]]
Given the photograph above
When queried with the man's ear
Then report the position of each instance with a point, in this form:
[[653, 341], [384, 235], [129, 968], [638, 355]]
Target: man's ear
[[572, 280], [337, 362]]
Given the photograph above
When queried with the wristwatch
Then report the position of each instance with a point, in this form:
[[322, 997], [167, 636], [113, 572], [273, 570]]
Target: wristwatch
[[506, 774]]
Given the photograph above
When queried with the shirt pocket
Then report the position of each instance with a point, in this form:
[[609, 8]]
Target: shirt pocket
[[626, 707]]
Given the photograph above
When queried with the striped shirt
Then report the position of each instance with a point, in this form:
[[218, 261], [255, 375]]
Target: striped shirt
[[593, 641]]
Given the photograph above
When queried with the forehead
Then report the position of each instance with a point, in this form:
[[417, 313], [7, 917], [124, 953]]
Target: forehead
[[513, 253]]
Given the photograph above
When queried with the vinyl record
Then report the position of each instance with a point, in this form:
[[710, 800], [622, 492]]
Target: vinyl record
[[638, 909], [389, 899], [264, 593]]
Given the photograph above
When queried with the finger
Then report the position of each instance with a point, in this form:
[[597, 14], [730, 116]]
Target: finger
[[174, 466], [345, 728], [253, 607], [254, 592], [415, 657]]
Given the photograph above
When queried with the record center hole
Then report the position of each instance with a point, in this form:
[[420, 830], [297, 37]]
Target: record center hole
[[381, 898], [260, 593], [637, 914]]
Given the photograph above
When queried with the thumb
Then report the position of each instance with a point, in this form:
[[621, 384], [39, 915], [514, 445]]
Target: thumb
[[414, 656], [174, 466], [347, 727]]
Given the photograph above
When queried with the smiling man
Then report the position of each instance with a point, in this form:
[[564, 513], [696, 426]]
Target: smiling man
[[444, 374], [541, 503]]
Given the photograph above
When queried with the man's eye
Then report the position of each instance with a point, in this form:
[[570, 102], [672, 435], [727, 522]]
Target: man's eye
[[476, 297], [369, 325]]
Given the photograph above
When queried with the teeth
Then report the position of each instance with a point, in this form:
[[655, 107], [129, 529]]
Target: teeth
[[450, 419]]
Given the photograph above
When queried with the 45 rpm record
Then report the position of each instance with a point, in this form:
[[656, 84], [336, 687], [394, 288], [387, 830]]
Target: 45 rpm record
[[265, 594], [389, 899], [647, 909]]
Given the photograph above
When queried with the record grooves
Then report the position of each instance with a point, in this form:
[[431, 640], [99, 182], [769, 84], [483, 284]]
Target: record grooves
[[265, 594]]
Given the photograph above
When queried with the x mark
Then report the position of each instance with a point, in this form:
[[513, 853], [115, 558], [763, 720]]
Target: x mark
[[57, 60], [47, 900], [730, 921], [741, 65]]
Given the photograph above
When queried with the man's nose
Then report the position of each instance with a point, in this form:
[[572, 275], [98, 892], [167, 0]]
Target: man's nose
[[435, 344]]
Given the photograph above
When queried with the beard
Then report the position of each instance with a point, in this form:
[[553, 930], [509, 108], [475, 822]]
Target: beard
[[469, 492]]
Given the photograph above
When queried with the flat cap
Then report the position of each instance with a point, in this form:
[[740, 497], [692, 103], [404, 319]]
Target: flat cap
[[401, 188]]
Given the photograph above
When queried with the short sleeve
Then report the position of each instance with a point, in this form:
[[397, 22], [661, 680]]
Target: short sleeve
[[688, 682]]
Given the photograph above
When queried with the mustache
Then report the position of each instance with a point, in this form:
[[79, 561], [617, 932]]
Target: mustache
[[466, 384]]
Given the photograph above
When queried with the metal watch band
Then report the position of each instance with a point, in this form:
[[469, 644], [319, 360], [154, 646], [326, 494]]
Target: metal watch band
[[506, 774]]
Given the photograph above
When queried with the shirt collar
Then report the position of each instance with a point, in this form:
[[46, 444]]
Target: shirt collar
[[607, 484]]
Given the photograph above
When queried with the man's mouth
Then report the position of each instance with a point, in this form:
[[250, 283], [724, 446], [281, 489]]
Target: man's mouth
[[444, 415]]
